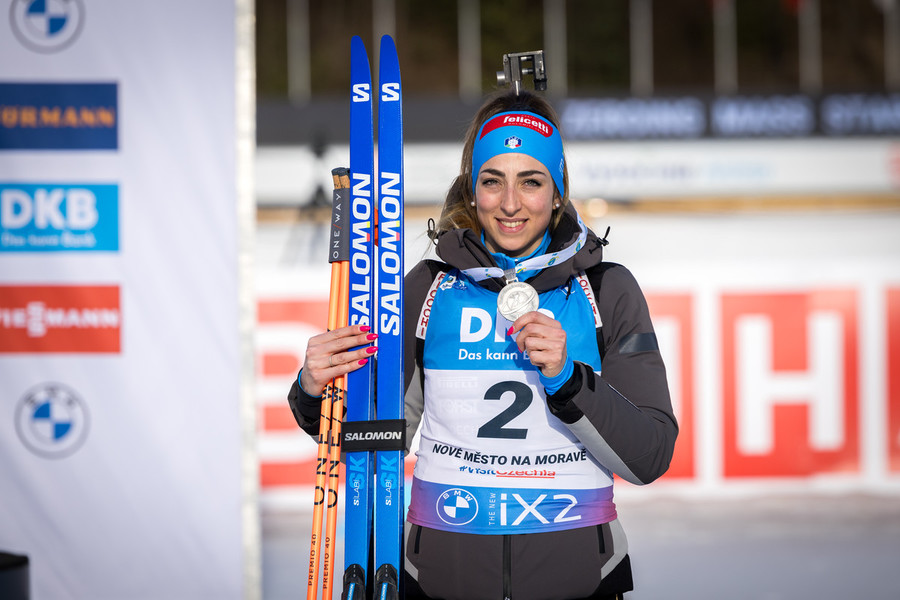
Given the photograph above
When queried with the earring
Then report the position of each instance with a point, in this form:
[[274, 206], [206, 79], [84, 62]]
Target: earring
[[555, 206], [472, 203]]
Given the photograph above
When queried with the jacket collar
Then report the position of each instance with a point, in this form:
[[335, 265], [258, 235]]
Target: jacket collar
[[462, 249]]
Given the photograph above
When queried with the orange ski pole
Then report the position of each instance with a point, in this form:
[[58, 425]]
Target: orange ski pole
[[327, 467], [337, 415]]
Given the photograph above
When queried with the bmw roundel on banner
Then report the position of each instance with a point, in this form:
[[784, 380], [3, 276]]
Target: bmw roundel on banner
[[52, 420], [47, 25]]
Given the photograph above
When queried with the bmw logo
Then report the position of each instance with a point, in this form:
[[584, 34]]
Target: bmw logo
[[456, 506], [46, 25], [52, 421]]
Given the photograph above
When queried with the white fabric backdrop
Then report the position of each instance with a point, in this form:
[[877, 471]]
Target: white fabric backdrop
[[147, 504]]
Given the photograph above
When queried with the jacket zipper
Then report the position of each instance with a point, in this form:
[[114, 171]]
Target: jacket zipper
[[507, 567]]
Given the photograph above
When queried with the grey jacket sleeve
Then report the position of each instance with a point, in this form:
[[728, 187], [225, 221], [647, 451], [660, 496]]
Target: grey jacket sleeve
[[623, 415]]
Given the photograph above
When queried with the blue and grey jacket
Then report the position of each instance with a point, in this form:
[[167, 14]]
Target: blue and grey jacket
[[620, 414]]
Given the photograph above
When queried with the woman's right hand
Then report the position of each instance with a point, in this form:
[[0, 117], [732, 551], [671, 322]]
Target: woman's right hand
[[328, 355]]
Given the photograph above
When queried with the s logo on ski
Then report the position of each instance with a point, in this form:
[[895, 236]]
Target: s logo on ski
[[361, 92], [390, 92]]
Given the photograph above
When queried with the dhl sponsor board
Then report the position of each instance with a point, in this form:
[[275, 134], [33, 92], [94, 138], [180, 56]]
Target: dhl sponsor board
[[786, 404], [60, 319], [59, 116], [43, 217]]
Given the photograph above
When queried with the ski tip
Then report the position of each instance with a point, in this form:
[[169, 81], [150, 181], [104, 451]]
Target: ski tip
[[387, 44], [358, 46]]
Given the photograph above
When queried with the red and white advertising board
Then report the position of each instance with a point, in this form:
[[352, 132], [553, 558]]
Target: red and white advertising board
[[784, 369]]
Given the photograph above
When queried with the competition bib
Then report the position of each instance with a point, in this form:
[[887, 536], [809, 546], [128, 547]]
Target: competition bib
[[492, 459]]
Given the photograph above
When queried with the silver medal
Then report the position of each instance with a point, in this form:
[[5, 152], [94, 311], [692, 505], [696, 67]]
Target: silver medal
[[516, 299]]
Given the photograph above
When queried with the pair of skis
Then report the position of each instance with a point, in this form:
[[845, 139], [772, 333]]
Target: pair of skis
[[375, 447], [367, 289]]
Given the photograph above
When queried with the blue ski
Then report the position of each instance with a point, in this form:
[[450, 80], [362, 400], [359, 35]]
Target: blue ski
[[389, 498], [360, 466]]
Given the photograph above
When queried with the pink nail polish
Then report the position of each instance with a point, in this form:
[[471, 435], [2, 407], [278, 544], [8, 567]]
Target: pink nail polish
[[364, 328], [363, 361], [371, 349], [510, 331], [372, 336]]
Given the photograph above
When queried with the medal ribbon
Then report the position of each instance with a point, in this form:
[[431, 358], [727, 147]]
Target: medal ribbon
[[536, 263]]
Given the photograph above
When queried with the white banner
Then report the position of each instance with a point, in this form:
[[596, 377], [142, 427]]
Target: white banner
[[120, 351], [618, 170], [826, 167]]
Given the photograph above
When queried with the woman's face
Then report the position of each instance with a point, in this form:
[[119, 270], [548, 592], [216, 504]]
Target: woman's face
[[514, 196]]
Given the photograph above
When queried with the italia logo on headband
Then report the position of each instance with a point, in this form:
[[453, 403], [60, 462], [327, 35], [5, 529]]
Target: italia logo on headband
[[520, 120], [512, 142]]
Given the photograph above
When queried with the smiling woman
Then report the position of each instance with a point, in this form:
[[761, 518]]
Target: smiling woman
[[514, 199], [518, 361]]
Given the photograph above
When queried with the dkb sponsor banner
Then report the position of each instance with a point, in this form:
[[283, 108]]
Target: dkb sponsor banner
[[120, 430]]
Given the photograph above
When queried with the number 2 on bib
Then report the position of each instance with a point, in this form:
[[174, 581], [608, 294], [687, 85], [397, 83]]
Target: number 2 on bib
[[495, 428]]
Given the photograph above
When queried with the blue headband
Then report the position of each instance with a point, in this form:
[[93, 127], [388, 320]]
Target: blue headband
[[521, 132]]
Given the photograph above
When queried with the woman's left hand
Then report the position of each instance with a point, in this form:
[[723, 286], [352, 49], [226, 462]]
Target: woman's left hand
[[543, 339]]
